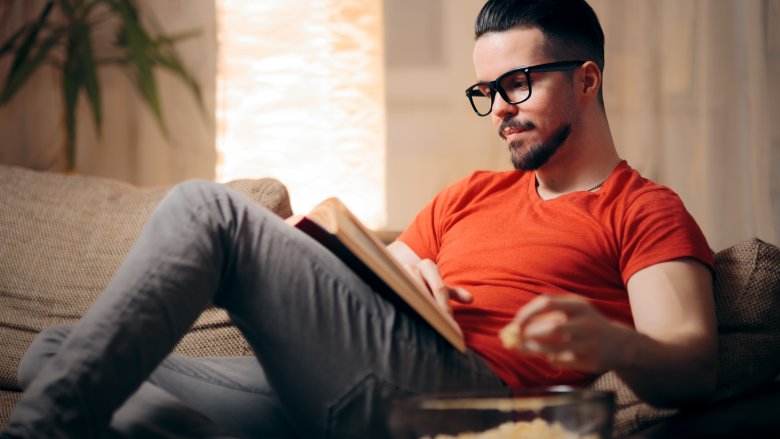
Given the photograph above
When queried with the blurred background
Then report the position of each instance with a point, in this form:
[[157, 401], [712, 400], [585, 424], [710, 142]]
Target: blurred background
[[363, 99]]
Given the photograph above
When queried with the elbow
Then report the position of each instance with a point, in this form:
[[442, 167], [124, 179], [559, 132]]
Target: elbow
[[696, 386], [703, 377], [697, 390], [705, 384]]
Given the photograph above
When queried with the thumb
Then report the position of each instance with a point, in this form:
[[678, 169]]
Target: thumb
[[461, 295]]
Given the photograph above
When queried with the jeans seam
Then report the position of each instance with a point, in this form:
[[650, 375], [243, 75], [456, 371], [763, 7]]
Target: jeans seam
[[333, 408], [211, 380]]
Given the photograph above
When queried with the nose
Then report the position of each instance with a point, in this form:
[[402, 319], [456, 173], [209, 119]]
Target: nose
[[501, 109]]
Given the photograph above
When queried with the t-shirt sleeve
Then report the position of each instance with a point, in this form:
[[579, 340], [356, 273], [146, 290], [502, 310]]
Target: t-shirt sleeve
[[657, 228], [425, 233], [421, 234]]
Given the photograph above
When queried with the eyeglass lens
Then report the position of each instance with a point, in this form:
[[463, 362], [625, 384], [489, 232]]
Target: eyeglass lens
[[515, 89]]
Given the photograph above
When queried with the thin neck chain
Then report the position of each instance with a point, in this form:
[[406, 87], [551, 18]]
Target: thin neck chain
[[592, 189], [598, 185]]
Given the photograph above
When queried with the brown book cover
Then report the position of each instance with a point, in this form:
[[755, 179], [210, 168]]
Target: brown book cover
[[336, 228]]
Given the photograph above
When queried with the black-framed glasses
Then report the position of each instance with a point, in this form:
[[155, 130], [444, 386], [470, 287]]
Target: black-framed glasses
[[514, 86]]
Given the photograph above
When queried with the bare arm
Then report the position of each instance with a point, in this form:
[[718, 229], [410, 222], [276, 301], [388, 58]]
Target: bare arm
[[675, 355], [403, 254], [671, 356]]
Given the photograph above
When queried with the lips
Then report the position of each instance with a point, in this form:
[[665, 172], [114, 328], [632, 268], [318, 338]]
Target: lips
[[509, 131], [509, 128]]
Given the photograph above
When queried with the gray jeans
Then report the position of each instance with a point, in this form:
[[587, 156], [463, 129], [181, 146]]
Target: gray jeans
[[331, 354]]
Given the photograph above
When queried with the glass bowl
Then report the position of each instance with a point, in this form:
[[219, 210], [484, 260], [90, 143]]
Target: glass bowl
[[559, 412]]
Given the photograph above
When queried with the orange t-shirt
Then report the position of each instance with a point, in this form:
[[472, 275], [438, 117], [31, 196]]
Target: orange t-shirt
[[492, 234]]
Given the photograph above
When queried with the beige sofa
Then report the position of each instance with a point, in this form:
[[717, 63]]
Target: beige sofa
[[62, 238]]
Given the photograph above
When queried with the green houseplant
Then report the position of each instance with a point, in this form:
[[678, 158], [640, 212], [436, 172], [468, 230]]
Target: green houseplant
[[62, 36]]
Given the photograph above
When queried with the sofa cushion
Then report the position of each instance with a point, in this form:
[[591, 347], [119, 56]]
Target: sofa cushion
[[61, 240], [8, 400], [747, 299], [747, 304]]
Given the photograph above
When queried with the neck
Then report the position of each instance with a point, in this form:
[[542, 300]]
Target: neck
[[582, 163]]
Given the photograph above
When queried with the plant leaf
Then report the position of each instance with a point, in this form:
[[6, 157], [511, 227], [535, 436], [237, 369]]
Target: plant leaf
[[169, 59], [16, 79], [29, 41], [21, 68], [71, 83], [11, 41], [138, 47], [88, 73], [175, 38], [67, 8]]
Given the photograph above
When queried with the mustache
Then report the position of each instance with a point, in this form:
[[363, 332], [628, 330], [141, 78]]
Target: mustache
[[511, 123]]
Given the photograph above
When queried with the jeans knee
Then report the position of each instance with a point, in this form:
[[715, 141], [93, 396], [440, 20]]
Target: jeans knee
[[224, 204], [44, 346], [193, 195], [194, 189]]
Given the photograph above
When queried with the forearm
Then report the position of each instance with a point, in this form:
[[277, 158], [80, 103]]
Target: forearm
[[402, 253], [671, 366], [667, 374]]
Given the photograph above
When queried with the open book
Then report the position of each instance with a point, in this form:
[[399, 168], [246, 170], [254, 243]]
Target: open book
[[336, 228]]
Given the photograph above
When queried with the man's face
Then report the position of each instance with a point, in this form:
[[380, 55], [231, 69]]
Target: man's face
[[535, 129]]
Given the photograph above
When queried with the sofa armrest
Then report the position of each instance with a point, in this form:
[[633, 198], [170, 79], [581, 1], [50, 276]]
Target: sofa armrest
[[267, 192]]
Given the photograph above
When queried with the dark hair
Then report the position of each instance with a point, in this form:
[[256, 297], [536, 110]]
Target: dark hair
[[571, 27]]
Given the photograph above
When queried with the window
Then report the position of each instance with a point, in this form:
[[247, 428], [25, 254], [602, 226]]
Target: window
[[301, 98]]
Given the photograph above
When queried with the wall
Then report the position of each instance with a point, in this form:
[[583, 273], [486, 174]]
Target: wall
[[773, 58], [433, 136]]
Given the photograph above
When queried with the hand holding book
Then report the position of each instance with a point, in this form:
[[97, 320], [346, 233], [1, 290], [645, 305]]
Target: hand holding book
[[427, 273]]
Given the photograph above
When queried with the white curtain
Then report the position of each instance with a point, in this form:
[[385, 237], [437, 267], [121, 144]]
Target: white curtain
[[301, 98], [689, 94]]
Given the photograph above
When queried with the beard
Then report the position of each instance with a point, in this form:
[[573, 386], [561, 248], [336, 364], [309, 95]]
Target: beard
[[534, 156]]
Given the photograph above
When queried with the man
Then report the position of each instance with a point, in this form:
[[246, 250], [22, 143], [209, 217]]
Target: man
[[598, 269], [582, 220]]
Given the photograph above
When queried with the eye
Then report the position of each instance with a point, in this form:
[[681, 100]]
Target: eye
[[481, 90], [515, 82]]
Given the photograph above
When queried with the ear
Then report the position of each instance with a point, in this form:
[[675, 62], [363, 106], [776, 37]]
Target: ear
[[588, 80]]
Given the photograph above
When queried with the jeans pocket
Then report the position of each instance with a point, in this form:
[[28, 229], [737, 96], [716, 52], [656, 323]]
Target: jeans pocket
[[363, 411]]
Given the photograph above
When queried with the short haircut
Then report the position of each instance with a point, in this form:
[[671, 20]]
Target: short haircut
[[571, 27]]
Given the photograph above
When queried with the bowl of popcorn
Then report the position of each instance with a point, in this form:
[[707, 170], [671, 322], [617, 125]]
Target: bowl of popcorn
[[559, 412]]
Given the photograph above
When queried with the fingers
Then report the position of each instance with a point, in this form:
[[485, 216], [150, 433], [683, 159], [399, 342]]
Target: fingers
[[430, 273], [550, 332], [562, 358], [414, 272], [544, 304], [563, 342], [553, 341], [427, 271], [567, 331], [461, 295], [544, 325], [549, 328]]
